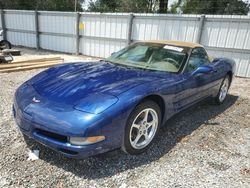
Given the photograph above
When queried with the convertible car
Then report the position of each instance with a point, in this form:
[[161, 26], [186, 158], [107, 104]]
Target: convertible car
[[85, 108]]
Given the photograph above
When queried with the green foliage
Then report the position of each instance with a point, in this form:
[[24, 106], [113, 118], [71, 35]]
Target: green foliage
[[179, 6], [139, 6], [174, 8], [50, 5], [104, 6], [142, 6], [230, 7], [163, 6]]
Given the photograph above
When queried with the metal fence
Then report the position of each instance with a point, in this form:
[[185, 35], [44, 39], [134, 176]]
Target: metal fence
[[100, 34]]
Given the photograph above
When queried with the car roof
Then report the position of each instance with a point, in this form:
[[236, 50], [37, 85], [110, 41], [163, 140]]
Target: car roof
[[174, 43]]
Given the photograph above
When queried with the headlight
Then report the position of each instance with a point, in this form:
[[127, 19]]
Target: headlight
[[96, 103], [85, 140]]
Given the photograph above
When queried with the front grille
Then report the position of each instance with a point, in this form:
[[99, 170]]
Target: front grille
[[51, 135], [66, 151]]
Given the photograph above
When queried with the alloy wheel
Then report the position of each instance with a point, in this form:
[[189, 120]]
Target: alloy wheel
[[224, 90], [144, 128]]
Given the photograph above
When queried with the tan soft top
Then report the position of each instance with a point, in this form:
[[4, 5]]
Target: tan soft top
[[175, 43]]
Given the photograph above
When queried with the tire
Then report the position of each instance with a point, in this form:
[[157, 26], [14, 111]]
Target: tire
[[139, 131], [4, 44], [223, 91]]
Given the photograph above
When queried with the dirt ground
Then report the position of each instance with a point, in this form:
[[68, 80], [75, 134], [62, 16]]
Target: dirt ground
[[204, 146]]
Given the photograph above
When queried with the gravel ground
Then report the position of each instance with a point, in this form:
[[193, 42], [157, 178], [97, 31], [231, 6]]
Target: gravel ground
[[204, 146]]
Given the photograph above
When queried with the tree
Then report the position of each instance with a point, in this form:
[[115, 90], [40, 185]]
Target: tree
[[140, 6], [117, 6], [163, 7], [230, 7], [104, 6], [51, 5], [174, 8]]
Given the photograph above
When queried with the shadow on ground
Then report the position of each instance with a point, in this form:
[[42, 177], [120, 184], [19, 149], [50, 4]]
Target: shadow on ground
[[111, 163]]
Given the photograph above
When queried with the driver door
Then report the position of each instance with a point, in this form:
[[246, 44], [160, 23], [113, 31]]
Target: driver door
[[194, 88], [204, 82]]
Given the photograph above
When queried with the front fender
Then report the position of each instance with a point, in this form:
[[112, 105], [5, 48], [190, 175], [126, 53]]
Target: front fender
[[119, 113]]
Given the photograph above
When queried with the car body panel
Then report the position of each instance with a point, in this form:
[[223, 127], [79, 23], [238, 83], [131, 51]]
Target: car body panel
[[96, 98], [72, 82]]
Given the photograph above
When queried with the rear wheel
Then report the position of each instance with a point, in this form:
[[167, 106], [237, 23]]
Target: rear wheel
[[141, 128], [223, 90]]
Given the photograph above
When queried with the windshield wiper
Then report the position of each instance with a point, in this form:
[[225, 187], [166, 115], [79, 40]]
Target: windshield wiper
[[107, 61], [127, 65]]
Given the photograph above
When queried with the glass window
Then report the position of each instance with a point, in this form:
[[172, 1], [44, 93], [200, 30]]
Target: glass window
[[151, 56], [197, 58]]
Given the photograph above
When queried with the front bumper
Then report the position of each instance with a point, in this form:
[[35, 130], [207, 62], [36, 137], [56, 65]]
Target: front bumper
[[65, 148], [51, 124], [57, 140]]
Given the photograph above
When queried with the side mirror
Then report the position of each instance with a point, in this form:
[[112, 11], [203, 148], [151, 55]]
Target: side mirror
[[205, 69]]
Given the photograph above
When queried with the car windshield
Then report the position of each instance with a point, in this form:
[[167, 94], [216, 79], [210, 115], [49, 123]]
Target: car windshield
[[151, 56]]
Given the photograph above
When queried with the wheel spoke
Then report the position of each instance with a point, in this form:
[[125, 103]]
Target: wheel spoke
[[149, 124], [136, 126], [146, 135], [137, 139], [146, 115]]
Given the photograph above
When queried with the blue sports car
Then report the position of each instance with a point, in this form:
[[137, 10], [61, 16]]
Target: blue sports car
[[82, 109]]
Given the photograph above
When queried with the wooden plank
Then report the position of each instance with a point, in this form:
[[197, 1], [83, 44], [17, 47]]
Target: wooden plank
[[11, 52], [38, 60], [31, 67], [13, 65]]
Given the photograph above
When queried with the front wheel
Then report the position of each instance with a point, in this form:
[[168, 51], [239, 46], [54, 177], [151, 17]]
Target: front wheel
[[223, 90], [141, 128]]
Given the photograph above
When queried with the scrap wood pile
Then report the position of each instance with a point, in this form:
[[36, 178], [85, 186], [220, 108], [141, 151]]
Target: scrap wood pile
[[30, 64]]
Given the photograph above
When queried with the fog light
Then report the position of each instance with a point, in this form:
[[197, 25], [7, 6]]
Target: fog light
[[86, 140]]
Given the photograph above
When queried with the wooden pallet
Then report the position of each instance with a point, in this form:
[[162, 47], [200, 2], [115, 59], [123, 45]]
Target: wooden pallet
[[30, 64], [11, 52]]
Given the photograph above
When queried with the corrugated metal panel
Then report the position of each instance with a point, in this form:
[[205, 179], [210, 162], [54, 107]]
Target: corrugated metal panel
[[19, 20], [100, 32], [242, 60], [226, 33], [104, 26], [22, 39], [57, 43], [159, 27], [99, 48], [104, 33], [57, 23]]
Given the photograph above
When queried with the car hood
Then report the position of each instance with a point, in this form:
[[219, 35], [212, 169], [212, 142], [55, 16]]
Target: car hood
[[72, 82]]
